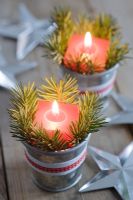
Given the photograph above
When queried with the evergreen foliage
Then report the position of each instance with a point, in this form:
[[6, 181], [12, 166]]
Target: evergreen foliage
[[24, 101], [101, 26]]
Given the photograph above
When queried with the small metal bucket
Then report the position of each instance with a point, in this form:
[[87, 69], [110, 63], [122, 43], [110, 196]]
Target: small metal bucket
[[101, 83], [56, 171]]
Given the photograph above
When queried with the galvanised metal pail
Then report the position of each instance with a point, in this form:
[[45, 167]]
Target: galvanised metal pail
[[56, 171]]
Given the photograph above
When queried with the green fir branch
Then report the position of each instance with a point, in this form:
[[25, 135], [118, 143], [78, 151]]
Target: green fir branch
[[56, 46], [90, 119], [116, 54], [66, 90], [24, 101], [62, 17], [102, 26]]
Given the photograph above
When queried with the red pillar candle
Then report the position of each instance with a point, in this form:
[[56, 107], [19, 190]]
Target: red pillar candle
[[93, 48], [53, 115]]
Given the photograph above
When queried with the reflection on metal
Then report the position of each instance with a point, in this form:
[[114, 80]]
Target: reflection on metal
[[120, 118], [123, 102], [8, 72], [116, 171], [29, 32], [101, 83], [126, 115], [56, 171]]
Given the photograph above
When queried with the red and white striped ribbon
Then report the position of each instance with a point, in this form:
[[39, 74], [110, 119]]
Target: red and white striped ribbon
[[56, 168], [103, 89]]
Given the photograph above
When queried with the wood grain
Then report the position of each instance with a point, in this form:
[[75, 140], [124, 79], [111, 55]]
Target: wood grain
[[113, 139], [3, 189]]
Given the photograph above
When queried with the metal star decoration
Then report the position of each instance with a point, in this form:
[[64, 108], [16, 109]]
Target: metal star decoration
[[29, 32], [116, 171], [8, 72], [123, 102], [125, 116]]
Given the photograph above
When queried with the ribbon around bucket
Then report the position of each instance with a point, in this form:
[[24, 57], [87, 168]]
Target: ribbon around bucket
[[61, 168], [102, 89]]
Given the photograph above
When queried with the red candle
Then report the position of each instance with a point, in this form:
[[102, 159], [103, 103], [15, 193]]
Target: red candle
[[53, 115], [93, 48]]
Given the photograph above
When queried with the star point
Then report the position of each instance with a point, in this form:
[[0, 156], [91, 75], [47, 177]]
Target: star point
[[116, 171], [8, 72], [29, 32]]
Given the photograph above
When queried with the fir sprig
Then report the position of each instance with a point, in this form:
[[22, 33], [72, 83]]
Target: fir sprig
[[116, 54], [24, 101], [89, 117], [41, 139], [101, 26], [65, 90], [63, 19]]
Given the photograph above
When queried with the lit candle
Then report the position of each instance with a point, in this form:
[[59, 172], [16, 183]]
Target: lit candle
[[88, 49], [93, 48], [54, 118], [53, 115]]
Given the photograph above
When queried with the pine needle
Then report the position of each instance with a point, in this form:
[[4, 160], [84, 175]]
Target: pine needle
[[101, 26], [24, 101]]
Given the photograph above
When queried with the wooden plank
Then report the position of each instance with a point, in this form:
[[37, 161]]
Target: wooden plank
[[19, 182], [111, 139], [122, 11], [3, 188]]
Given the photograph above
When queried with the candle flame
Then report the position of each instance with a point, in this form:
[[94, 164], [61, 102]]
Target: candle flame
[[55, 107], [88, 40]]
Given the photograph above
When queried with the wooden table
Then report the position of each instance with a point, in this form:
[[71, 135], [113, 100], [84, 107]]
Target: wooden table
[[15, 183]]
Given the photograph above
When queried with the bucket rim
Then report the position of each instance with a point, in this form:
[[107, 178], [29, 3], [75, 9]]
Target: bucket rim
[[114, 68], [28, 146]]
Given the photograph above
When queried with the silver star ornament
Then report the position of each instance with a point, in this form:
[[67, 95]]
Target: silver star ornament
[[8, 72], [116, 171], [29, 32], [125, 116]]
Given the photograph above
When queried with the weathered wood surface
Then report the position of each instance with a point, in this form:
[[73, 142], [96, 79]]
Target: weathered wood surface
[[113, 139], [3, 188]]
